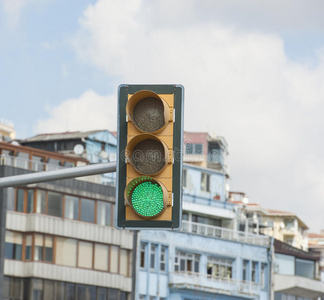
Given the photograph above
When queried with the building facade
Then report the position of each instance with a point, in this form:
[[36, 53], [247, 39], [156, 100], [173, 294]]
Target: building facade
[[209, 258], [57, 239]]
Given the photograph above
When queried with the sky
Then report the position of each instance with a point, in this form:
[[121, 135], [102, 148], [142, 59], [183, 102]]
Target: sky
[[252, 70]]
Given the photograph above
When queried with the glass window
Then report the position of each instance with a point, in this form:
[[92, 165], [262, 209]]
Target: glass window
[[263, 275], [254, 271], [87, 210], [153, 256], [104, 213], [71, 208], [22, 160], [122, 295], [305, 268], [20, 200], [205, 182], [48, 249], [123, 262], [30, 201], [59, 295], [70, 292], [13, 246], [37, 289], [85, 255], [10, 198], [114, 259], [54, 205], [163, 259], [112, 294], [219, 267], [39, 244], [184, 177], [102, 293], [48, 289], [143, 255], [101, 257], [28, 247], [6, 287], [245, 270], [66, 251], [41, 202], [15, 287], [188, 262]]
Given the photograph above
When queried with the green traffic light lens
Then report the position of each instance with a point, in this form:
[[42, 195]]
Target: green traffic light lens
[[147, 199]]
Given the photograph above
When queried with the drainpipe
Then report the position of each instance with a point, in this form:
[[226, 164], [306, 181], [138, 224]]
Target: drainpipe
[[271, 274], [134, 265]]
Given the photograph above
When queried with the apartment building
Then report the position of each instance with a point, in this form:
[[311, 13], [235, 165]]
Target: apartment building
[[209, 258], [7, 130], [283, 226], [57, 239]]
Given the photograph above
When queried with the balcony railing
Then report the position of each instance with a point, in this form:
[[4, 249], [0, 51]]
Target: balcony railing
[[27, 164], [197, 281], [225, 233], [207, 201]]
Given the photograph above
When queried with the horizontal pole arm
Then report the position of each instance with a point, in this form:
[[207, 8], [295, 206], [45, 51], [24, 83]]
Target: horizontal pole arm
[[67, 173]]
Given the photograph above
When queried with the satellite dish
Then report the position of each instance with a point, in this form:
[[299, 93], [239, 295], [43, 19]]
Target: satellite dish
[[78, 149], [103, 155], [15, 143]]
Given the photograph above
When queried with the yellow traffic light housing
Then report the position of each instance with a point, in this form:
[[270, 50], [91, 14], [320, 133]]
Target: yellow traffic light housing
[[147, 179]]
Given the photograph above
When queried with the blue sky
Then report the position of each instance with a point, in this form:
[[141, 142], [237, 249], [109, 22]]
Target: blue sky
[[252, 70]]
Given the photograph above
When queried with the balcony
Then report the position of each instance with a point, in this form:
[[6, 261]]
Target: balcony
[[204, 282], [225, 233], [27, 164]]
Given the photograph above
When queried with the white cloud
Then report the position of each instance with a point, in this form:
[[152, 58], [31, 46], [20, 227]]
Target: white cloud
[[239, 83], [88, 112]]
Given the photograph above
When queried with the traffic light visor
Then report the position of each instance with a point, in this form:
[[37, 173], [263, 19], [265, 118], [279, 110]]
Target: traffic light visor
[[148, 111]]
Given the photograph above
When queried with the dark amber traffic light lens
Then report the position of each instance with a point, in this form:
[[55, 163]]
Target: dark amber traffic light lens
[[148, 111]]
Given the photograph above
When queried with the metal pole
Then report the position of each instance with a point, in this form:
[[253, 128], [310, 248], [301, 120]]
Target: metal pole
[[57, 174]]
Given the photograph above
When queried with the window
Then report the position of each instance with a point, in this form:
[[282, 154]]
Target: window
[[184, 177], [20, 200], [66, 250], [69, 292], [263, 276], [254, 271], [38, 250], [245, 270], [123, 262], [87, 210], [71, 210], [10, 198], [163, 258], [54, 205], [48, 249], [186, 262], [219, 267], [49, 289], [196, 149], [41, 202], [30, 201], [114, 259], [85, 255], [205, 182], [143, 255], [104, 213], [153, 256], [101, 257], [28, 246], [13, 246], [102, 293]]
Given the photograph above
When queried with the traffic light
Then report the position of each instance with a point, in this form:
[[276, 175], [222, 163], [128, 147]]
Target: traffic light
[[149, 163]]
